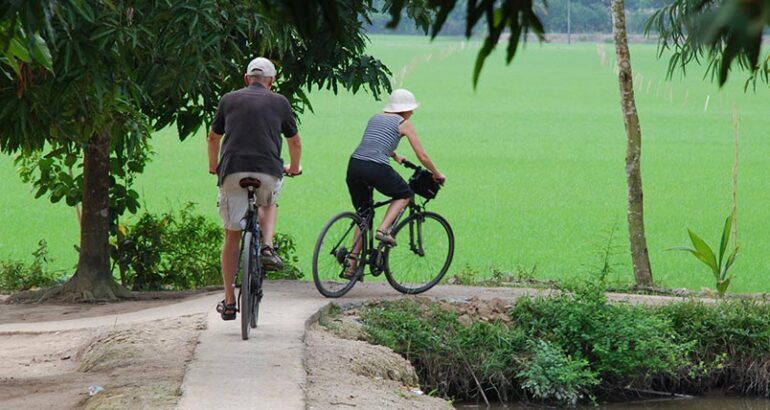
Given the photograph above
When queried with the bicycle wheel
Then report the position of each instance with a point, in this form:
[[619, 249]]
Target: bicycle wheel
[[248, 261], [333, 254], [424, 252]]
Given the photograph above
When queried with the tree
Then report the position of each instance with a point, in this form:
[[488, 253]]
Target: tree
[[639, 255], [123, 69]]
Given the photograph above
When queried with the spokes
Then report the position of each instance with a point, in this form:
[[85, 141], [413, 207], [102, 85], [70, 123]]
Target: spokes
[[423, 254], [338, 255]]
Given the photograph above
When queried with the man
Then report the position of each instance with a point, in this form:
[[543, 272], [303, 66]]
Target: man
[[252, 120]]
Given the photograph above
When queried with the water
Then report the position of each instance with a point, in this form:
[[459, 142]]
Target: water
[[699, 403]]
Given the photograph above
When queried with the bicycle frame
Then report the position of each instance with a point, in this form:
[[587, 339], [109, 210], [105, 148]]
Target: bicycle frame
[[251, 220], [374, 259]]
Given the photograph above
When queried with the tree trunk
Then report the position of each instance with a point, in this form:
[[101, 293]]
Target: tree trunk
[[639, 254], [93, 279]]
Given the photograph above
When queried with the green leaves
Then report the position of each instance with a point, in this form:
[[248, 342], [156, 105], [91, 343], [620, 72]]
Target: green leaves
[[517, 16], [703, 252], [723, 33]]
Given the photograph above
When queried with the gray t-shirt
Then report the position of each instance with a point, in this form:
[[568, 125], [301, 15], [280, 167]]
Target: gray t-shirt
[[252, 120]]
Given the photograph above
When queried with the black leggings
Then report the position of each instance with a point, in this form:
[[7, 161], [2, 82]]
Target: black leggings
[[365, 175]]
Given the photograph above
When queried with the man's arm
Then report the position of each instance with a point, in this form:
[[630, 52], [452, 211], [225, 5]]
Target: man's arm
[[295, 153], [214, 140]]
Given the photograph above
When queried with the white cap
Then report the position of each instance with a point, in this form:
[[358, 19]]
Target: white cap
[[261, 66], [401, 100]]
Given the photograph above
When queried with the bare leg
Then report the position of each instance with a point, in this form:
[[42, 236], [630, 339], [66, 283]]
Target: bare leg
[[358, 243], [394, 209], [230, 263], [267, 217]]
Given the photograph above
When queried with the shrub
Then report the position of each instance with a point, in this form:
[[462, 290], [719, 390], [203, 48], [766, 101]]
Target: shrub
[[16, 276], [731, 345], [550, 375], [181, 251], [561, 348], [624, 344]]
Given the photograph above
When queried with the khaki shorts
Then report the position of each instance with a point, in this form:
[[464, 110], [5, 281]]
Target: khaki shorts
[[233, 201]]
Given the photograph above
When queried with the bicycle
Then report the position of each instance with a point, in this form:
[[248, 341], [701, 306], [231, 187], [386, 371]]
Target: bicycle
[[346, 246], [250, 269]]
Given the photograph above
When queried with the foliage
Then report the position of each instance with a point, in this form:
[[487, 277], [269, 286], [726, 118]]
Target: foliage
[[515, 17], [122, 70], [181, 250], [720, 32], [587, 16], [550, 375], [624, 344], [16, 276], [286, 248], [730, 345], [561, 347], [557, 349], [718, 264]]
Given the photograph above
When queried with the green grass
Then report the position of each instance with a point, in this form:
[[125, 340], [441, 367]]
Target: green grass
[[534, 159]]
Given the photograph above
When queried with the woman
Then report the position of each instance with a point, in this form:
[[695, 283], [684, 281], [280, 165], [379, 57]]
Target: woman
[[369, 166]]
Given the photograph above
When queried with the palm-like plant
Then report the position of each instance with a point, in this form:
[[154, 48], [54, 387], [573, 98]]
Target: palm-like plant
[[719, 265]]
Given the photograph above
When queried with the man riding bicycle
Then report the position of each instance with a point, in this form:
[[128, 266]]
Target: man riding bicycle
[[369, 167], [252, 120]]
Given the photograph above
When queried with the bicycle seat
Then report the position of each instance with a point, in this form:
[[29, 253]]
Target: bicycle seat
[[250, 182]]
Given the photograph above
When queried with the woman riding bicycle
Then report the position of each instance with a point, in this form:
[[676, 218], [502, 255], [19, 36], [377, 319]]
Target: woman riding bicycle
[[369, 166]]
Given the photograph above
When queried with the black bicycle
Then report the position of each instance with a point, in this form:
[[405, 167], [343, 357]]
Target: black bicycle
[[251, 272], [422, 255]]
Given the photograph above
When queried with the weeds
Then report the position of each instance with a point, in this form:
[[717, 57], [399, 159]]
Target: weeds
[[16, 276], [571, 347]]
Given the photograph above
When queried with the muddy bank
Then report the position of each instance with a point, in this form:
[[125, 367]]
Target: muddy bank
[[346, 372]]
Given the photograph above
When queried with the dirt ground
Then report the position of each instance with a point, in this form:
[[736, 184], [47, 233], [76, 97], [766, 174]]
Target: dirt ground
[[48, 312], [344, 372], [143, 365], [137, 366]]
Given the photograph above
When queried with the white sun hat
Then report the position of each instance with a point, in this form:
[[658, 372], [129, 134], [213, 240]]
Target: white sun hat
[[401, 100], [261, 66]]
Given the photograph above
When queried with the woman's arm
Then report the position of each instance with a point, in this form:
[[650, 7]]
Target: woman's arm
[[407, 129]]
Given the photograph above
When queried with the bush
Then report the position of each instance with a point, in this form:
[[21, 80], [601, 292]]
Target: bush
[[561, 348], [551, 375], [16, 276], [181, 251], [625, 345], [731, 345]]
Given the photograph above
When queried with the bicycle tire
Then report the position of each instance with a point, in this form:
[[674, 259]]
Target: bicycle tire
[[247, 263], [329, 262], [408, 260]]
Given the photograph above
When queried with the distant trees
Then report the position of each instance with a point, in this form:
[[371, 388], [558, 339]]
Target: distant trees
[[587, 16]]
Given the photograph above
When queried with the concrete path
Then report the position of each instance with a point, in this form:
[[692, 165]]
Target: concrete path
[[264, 372], [267, 371]]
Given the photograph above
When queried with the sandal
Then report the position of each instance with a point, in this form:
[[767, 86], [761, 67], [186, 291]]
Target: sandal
[[385, 238], [228, 312], [350, 272], [270, 259]]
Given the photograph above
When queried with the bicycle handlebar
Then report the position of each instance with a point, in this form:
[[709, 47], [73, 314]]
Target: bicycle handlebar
[[409, 164]]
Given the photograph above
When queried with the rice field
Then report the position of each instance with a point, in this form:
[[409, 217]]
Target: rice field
[[534, 158]]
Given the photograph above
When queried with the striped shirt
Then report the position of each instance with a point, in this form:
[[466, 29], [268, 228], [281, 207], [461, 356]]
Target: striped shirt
[[381, 137]]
